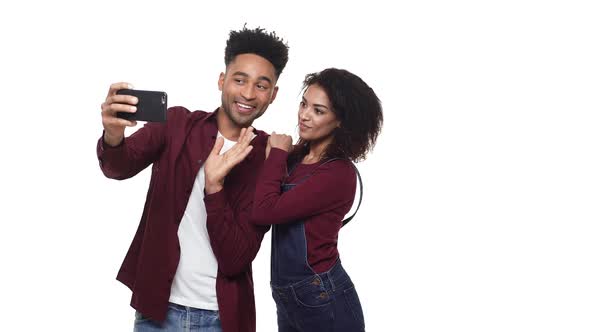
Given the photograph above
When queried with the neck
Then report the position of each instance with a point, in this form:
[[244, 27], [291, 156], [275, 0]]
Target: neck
[[316, 151], [227, 127]]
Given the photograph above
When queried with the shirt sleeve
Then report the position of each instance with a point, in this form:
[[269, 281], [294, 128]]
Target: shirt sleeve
[[330, 187], [134, 153], [234, 240]]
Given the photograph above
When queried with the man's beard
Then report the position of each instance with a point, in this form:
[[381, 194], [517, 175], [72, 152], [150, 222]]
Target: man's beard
[[242, 122]]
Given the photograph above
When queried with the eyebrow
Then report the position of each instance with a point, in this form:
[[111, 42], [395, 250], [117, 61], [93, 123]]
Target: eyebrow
[[241, 73], [316, 105]]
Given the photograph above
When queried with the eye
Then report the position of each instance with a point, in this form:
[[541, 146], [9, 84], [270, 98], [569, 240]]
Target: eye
[[239, 81], [302, 104], [318, 111], [261, 87]]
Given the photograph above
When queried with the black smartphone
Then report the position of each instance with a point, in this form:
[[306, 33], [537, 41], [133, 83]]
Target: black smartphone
[[151, 105]]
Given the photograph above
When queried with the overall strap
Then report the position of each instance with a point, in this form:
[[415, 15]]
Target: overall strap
[[358, 174]]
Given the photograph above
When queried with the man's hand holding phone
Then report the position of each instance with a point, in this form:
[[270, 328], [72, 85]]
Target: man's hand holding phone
[[124, 106], [114, 127]]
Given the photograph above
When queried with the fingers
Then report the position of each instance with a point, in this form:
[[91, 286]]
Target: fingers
[[114, 108], [246, 135], [236, 156], [119, 103], [280, 141], [278, 135], [217, 146], [243, 153], [242, 135], [236, 153], [118, 86], [122, 99], [113, 121], [274, 137], [241, 149], [244, 139]]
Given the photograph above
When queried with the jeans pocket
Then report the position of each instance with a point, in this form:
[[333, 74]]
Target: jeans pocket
[[312, 298], [313, 311], [353, 304], [139, 318]]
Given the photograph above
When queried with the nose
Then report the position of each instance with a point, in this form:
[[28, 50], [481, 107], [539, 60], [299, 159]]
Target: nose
[[248, 92], [303, 113]]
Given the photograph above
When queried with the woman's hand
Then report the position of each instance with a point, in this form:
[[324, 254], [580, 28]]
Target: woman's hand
[[280, 141]]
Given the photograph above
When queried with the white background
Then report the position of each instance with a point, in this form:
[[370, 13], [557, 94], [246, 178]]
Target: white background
[[476, 211]]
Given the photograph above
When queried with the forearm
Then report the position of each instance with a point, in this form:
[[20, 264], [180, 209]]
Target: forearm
[[132, 154], [234, 241], [113, 160], [212, 187], [331, 186], [268, 188], [112, 140]]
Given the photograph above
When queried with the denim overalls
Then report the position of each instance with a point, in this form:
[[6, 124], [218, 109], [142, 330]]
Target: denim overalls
[[307, 301]]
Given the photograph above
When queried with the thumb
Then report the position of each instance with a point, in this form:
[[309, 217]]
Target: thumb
[[217, 146]]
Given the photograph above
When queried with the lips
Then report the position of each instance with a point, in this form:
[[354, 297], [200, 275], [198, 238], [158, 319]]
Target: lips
[[302, 126], [244, 108]]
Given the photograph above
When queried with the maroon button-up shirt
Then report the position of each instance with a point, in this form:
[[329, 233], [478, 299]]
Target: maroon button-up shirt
[[177, 149]]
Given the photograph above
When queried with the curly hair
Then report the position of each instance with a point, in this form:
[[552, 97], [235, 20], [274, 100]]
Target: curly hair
[[358, 109], [257, 41]]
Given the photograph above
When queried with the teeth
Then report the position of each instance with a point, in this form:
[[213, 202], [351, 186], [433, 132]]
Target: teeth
[[245, 106]]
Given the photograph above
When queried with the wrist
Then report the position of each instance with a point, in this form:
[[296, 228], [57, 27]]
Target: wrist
[[112, 140], [213, 187]]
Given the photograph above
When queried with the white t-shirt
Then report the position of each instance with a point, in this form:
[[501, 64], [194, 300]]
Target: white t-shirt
[[196, 275]]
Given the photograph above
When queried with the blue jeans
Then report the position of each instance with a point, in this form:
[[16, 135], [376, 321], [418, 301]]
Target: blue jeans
[[326, 302], [180, 319]]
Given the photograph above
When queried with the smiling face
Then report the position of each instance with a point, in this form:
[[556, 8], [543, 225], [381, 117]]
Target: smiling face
[[317, 119], [247, 88]]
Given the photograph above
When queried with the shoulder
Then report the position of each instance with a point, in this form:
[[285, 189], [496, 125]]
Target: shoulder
[[182, 113], [338, 172], [180, 117], [338, 167], [260, 139], [261, 133], [341, 171], [338, 176]]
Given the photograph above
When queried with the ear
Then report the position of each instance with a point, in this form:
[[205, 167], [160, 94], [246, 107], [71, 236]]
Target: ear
[[220, 81], [274, 94]]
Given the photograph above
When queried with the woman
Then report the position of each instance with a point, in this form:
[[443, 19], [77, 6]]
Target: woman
[[305, 191]]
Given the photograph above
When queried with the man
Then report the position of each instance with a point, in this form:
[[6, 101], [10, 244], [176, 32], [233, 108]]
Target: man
[[190, 260]]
